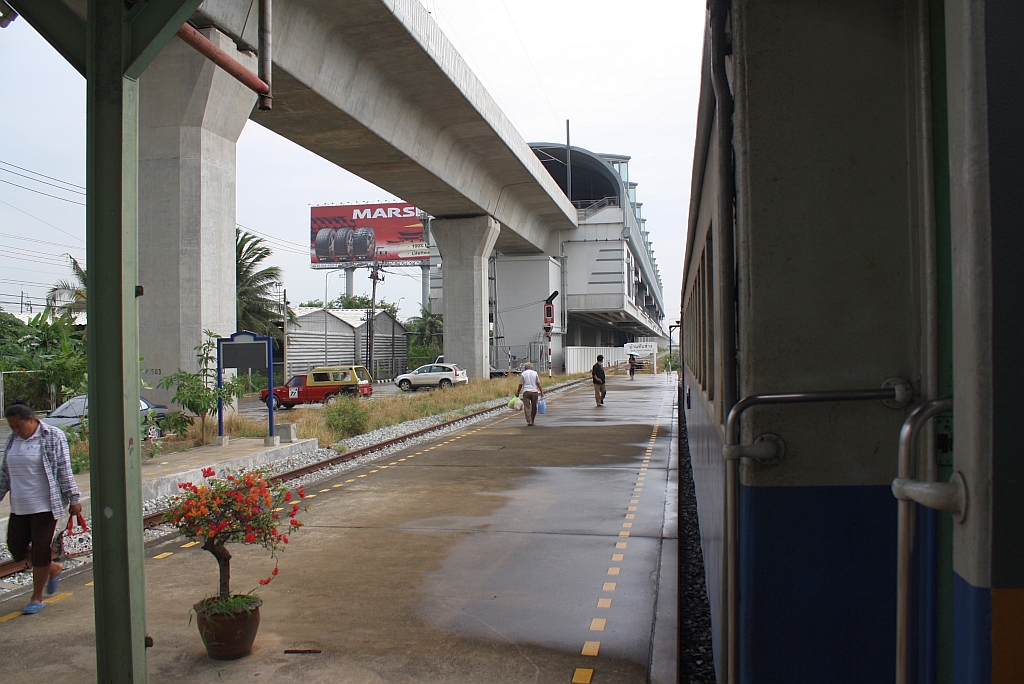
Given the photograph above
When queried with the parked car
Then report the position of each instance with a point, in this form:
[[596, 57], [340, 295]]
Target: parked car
[[432, 375], [73, 412], [324, 385]]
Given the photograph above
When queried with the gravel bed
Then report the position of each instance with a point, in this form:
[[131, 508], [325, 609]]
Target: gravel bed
[[696, 664], [161, 503]]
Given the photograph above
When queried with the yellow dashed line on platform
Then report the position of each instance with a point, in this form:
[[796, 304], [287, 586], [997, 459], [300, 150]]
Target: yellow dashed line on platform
[[598, 624], [165, 554], [618, 556], [582, 675], [614, 571], [194, 543], [325, 490], [623, 534], [394, 462], [591, 648], [373, 471], [10, 616], [349, 480], [338, 485], [608, 586], [620, 545], [604, 603], [58, 597], [631, 508], [89, 584], [361, 475]]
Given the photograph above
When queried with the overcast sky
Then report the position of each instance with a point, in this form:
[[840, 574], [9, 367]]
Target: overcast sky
[[626, 75]]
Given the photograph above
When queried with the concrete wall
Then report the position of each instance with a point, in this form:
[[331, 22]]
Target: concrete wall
[[522, 284], [191, 114]]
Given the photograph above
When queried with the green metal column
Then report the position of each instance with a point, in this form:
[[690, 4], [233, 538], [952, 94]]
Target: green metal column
[[113, 341]]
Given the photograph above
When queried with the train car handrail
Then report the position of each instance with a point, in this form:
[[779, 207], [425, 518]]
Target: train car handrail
[[945, 496], [895, 390]]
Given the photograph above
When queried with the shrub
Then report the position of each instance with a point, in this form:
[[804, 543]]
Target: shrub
[[347, 416]]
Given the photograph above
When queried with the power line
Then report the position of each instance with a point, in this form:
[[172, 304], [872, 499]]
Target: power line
[[24, 282], [42, 221], [36, 180], [284, 244], [22, 168], [38, 192], [34, 252], [41, 242], [530, 60]]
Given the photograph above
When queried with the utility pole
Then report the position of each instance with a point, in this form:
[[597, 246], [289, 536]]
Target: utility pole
[[568, 163], [375, 276], [284, 336]]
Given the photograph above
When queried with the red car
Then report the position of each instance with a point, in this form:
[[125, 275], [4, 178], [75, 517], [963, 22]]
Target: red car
[[323, 385]]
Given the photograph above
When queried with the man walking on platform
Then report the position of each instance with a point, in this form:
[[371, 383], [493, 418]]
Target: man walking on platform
[[597, 374], [529, 385]]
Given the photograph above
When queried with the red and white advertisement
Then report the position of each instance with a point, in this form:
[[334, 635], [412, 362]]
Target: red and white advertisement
[[359, 234]]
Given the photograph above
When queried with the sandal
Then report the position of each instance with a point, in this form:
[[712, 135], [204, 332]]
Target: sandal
[[51, 585], [33, 607]]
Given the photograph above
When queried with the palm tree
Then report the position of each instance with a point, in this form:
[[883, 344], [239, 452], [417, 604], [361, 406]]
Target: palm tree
[[427, 328], [257, 309], [69, 296]]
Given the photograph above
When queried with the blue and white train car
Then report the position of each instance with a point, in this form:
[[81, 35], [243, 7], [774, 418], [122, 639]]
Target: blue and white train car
[[852, 275]]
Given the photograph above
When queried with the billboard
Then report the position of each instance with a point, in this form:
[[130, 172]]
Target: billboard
[[357, 234]]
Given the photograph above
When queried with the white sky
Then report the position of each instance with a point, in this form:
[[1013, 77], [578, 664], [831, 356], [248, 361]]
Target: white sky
[[626, 75]]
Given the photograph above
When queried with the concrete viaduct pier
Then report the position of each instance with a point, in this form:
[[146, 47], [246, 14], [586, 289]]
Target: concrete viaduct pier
[[374, 87]]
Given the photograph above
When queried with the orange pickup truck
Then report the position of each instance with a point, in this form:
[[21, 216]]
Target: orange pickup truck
[[322, 385]]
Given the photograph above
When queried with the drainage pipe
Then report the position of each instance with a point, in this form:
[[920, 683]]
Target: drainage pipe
[[206, 48], [265, 54]]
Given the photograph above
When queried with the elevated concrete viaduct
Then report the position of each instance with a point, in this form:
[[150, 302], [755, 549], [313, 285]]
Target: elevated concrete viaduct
[[373, 86]]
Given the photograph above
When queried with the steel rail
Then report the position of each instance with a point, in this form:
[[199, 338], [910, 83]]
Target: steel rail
[[732, 478], [151, 520]]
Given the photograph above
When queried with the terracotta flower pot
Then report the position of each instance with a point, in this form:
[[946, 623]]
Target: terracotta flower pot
[[229, 636]]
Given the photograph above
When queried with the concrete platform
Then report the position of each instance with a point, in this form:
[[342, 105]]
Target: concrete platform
[[491, 555], [161, 474]]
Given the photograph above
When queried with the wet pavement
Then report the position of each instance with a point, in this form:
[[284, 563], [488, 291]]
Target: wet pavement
[[501, 553]]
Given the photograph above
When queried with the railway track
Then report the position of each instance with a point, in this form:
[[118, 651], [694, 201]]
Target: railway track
[[150, 521]]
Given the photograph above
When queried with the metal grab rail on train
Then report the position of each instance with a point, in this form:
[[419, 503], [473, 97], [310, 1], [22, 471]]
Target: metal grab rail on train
[[769, 449], [943, 496]]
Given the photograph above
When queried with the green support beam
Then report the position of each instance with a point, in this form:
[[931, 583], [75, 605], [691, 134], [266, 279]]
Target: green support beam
[[112, 46]]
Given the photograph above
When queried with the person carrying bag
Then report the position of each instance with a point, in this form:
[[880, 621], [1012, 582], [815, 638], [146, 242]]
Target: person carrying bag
[[529, 385]]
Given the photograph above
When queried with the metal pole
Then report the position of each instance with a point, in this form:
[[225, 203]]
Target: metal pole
[[284, 336], [265, 59], [220, 384], [374, 276], [327, 279], [568, 163]]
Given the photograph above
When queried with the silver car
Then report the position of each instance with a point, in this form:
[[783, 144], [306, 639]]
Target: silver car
[[432, 375]]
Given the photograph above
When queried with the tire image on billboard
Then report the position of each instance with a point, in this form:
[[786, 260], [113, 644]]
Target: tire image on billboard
[[364, 243], [343, 240], [325, 243]]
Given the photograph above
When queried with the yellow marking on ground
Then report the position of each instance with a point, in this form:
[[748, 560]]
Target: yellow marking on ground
[[604, 603], [590, 648], [598, 624], [608, 586], [194, 543], [373, 471], [634, 501], [416, 454], [361, 475], [627, 525], [280, 508], [630, 516], [349, 480], [582, 675], [58, 597], [620, 545], [337, 485], [401, 459], [89, 584], [311, 496], [394, 462], [614, 570], [383, 467], [165, 554], [10, 616], [631, 508], [623, 534], [618, 556]]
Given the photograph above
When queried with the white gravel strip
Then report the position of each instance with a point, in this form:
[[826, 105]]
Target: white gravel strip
[[24, 579]]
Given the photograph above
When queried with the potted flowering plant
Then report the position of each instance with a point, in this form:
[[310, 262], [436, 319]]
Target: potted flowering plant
[[241, 508]]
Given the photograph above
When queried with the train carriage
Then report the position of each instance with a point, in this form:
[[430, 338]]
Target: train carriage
[[842, 287]]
